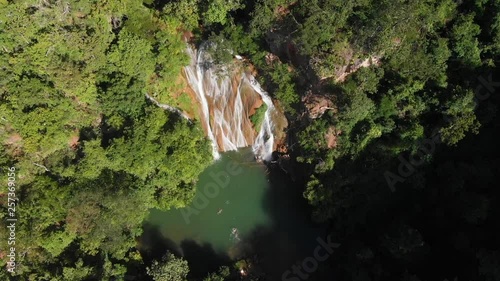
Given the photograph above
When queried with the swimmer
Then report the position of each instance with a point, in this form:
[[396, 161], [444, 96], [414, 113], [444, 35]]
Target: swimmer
[[219, 212], [234, 234]]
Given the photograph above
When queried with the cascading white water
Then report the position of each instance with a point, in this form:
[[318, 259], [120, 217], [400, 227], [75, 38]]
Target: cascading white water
[[195, 76], [264, 143], [230, 127]]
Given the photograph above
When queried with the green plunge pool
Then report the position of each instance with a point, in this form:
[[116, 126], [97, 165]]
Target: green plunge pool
[[240, 210], [228, 205]]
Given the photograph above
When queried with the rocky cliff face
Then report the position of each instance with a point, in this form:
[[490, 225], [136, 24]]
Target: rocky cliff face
[[316, 105], [225, 102]]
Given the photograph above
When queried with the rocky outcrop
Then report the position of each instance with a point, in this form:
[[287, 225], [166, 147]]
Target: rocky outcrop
[[346, 70], [317, 105], [331, 137]]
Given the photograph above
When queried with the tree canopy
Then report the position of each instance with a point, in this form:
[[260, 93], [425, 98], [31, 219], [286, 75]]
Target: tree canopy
[[391, 109]]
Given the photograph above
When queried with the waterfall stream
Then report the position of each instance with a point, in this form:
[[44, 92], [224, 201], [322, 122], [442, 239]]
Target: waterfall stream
[[264, 143], [167, 107], [225, 104]]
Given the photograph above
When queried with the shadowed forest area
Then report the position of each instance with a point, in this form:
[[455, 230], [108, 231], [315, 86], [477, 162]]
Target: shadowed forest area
[[392, 111]]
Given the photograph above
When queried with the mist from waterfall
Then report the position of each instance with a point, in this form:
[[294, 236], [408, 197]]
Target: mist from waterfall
[[225, 105]]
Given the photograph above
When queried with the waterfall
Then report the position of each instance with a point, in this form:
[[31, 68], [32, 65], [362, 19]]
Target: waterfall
[[264, 143], [195, 76], [225, 102]]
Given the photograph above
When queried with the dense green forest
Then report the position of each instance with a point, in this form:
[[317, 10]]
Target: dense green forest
[[401, 164]]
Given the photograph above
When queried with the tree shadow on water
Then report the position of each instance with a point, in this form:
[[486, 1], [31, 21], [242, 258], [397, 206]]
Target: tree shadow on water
[[153, 245], [292, 235], [270, 251], [289, 211], [202, 259], [274, 251]]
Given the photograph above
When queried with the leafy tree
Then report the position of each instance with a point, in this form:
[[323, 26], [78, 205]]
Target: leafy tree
[[465, 42], [217, 10], [71, 98], [461, 117], [285, 91], [77, 273], [185, 11], [221, 275], [170, 268]]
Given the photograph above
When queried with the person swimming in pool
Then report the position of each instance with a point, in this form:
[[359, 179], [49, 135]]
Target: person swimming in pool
[[235, 234]]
